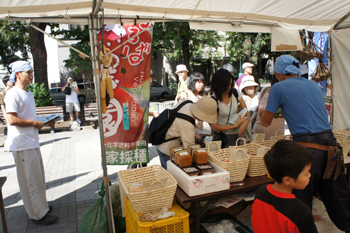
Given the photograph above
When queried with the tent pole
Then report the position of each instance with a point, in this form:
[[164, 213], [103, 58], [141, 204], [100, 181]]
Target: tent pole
[[332, 80], [97, 7], [95, 67]]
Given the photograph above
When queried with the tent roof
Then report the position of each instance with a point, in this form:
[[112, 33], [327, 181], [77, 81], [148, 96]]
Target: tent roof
[[314, 15]]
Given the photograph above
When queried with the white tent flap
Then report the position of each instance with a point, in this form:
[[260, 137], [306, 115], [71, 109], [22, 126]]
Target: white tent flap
[[341, 76], [229, 27], [285, 40]]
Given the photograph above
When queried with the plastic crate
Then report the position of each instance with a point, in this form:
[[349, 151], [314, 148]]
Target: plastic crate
[[177, 224]]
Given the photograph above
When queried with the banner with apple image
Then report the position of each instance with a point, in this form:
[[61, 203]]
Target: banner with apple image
[[125, 124]]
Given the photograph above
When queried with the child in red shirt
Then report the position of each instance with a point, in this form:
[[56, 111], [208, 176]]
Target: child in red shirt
[[275, 208]]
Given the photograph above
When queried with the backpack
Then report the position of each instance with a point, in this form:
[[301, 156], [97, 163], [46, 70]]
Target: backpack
[[160, 125], [67, 90]]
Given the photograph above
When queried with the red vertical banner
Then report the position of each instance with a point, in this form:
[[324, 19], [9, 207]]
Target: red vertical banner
[[126, 119]]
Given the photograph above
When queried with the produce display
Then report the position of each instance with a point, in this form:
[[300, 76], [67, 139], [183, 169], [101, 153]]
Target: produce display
[[205, 169], [191, 147], [200, 156], [183, 158], [173, 151], [191, 171]]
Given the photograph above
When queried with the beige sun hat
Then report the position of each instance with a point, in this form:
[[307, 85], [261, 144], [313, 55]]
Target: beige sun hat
[[180, 68], [205, 109], [247, 81]]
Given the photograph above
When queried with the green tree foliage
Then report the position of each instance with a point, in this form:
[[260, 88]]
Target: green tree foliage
[[178, 43], [248, 46], [41, 94], [14, 38], [80, 67]]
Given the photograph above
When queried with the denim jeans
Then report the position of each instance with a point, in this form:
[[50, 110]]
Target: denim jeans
[[163, 159]]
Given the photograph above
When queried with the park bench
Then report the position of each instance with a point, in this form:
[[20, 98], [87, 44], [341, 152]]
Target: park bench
[[88, 112]]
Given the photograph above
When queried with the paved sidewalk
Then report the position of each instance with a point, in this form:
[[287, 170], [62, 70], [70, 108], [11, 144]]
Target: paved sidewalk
[[72, 162]]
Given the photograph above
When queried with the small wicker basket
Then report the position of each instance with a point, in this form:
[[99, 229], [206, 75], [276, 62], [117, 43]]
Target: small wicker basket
[[146, 201], [237, 169], [281, 137], [260, 139], [256, 164]]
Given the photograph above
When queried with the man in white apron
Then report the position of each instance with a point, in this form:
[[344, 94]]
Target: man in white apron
[[23, 142]]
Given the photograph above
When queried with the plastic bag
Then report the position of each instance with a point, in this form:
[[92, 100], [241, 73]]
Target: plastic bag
[[119, 221], [95, 219]]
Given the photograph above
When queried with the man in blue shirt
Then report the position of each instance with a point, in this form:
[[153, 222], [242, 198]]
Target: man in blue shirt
[[304, 109]]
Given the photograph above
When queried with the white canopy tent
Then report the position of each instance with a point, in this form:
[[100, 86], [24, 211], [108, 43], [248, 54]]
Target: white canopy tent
[[226, 15], [313, 15]]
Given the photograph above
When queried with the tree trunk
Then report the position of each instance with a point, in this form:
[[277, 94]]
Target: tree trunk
[[185, 48], [38, 49]]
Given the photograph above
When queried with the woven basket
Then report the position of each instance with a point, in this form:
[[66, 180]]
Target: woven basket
[[343, 138], [268, 143], [256, 164], [260, 139], [146, 201], [281, 137], [237, 169]]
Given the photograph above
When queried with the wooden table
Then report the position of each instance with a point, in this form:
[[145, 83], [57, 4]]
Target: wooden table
[[2, 208], [250, 184]]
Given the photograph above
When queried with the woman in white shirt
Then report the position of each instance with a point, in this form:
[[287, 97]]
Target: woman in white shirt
[[222, 88]]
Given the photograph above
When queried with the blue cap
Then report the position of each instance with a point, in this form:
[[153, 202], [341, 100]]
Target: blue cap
[[287, 64], [19, 66]]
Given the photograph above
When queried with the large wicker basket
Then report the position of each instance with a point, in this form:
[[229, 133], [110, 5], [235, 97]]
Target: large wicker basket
[[281, 137], [237, 169], [256, 164], [146, 201], [343, 138]]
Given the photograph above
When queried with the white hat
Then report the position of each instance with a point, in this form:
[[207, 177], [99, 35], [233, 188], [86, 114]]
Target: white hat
[[247, 81], [246, 65], [180, 68], [205, 109]]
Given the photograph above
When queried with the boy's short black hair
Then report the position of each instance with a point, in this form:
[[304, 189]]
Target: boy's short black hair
[[5, 79], [287, 158]]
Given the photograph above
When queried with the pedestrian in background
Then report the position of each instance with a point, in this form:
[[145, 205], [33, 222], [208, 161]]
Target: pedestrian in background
[[72, 101], [9, 84], [182, 72]]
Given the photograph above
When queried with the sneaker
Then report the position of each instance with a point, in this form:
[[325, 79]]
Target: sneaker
[[79, 121], [46, 220], [71, 123]]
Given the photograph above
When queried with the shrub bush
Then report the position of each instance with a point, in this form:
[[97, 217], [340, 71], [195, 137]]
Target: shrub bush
[[41, 94]]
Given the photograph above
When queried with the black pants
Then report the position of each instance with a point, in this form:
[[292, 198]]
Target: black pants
[[335, 194]]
